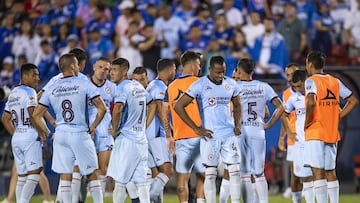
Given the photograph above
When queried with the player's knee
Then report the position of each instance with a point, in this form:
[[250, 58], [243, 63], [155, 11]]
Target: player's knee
[[330, 175], [181, 189]]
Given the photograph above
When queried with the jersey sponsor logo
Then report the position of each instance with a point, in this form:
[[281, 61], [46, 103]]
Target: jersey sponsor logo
[[329, 99], [208, 88], [32, 163], [212, 101], [329, 95], [300, 111], [107, 90], [64, 91]]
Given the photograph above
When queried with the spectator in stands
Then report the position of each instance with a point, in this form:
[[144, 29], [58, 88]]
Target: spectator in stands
[[223, 32], [213, 50], [61, 37], [98, 46], [26, 42], [46, 60], [194, 41], [122, 22], [185, 11], [322, 27], [294, 32], [6, 72], [7, 34], [46, 33], [149, 14], [169, 28], [338, 11], [72, 41], [61, 12], [233, 15], [18, 9], [262, 7], [203, 20], [270, 52], [254, 29], [32, 8], [352, 31], [239, 50]]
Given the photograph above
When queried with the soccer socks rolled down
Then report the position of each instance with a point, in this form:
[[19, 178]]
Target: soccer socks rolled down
[[308, 191], [296, 197], [143, 192], [102, 180], [65, 189], [210, 185], [234, 174], [75, 187], [262, 189], [320, 190], [96, 191], [157, 185], [246, 186], [132, 190], [224, 191], [119, 193], [19, 187], [29, 187], [333, 191]]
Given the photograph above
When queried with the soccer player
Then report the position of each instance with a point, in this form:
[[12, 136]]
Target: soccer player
[[254, 95], [295, 182], [187, 142], [18, 120], [131, 142], [140, 75], [296, 103], [103, 139], [323, 113], [161, 147], [218, 128], [68, 97]]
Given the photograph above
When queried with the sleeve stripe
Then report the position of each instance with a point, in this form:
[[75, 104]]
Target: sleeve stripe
[[43, 105], [95, 97], [149, 102], [348, 96], [271, 100], [189, 95]]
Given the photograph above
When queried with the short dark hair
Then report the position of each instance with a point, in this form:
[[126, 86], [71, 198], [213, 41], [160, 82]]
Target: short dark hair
[[80, 54], [103, 59], [217, 60], [317, 59], [164, 64], [122, 62], [26, 68], [298, 75], [292, 65], [247, 65], [140, 70], [44, 42], [66, 60], [189, 56]]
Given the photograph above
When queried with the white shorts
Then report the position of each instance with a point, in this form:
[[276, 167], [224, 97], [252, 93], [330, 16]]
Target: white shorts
[[27, 156], [319, 154], [158, 152], [128, 161], [252, 155], [103, 142], [69, 146], [290, 153], [300, 170], [188, 155], [227, 148]]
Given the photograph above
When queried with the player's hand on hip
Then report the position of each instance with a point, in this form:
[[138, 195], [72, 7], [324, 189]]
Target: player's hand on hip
[[171, 145], [292, 136], [203, 132], [115, 133], [92, 130], [237, 131]]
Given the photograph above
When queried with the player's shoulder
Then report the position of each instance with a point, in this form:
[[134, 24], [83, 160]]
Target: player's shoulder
[[27, 89], [183, 79], [229, 80]]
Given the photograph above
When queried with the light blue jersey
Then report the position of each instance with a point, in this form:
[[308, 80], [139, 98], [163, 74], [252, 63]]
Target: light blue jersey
[[20, 99], [297, 102], [215, 104], [133, 95], [253, 97], [107, 93], [157, 90], [68, 97], [59, 76]]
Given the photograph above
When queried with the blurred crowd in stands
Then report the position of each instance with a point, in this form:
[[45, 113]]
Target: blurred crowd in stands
[[272, 32]]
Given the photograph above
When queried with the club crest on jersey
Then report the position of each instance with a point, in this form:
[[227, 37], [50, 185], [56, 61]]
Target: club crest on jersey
[[211, 157], [227, 87], [212, 101], [308, 87], [107, 90]]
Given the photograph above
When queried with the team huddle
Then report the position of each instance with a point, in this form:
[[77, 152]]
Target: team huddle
[[130, 131]]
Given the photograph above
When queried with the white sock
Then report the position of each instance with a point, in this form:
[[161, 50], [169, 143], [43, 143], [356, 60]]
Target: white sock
[[247, 190], [119, 193], [200, 200], [143, 192], [256, 195], [58, 194], [75, 187], [333, 191], [19, 187], [296, 197], [262, 189], [132, 190], [224, 191], [29, 187], [320, 190], [96, 191], [157, 185], [102, 180], [210, 185], [234, 174], [308, 190], [66, 192]]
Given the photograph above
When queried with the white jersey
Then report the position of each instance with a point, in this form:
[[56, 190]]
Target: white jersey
[[253, 96], [68, 97], [214, 104], [20, 99], [133, 95], [107, 93], [297, 102], [59, 76]]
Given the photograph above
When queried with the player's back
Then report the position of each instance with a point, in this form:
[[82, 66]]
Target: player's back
[[68, 97], [253, 96], [20, 98]]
